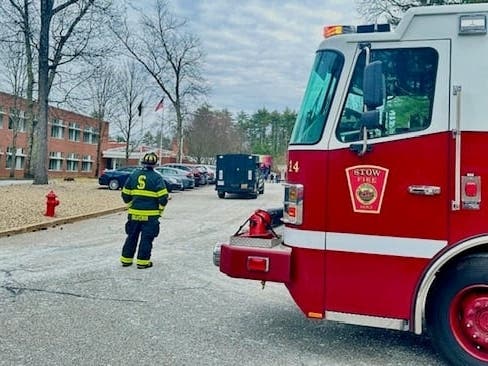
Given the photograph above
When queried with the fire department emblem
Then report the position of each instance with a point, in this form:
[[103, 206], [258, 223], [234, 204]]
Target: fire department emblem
[[366, 186]]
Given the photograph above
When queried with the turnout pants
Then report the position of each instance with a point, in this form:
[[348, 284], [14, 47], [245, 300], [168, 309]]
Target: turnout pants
[[147, 231]]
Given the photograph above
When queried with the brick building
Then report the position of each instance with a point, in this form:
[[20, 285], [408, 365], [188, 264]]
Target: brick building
[[72, 140], [114, 155]]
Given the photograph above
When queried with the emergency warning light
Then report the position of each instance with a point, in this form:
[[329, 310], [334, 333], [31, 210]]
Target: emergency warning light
[[471, 191], [293, 204], [334, 30]]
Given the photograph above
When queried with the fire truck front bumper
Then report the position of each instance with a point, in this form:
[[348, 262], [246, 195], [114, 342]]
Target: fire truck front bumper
[[254, 263]]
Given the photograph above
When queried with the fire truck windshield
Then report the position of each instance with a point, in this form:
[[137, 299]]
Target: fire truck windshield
[[318, 98]]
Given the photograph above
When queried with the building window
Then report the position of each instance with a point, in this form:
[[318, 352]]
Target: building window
[[87, 163], [90, 135], [2, 113], [72, 162], [16, 120], [87, 136], [96, 137], [19, 158], [74, 132], [55, 161], [57, 129]]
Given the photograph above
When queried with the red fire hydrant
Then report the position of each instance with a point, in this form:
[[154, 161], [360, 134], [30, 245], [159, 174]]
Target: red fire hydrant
[[51, 202]]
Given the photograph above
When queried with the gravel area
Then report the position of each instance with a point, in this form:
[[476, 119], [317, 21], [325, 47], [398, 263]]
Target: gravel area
[[24, 205]]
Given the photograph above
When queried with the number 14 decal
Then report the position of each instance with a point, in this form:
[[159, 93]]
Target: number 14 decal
[[293, 166]]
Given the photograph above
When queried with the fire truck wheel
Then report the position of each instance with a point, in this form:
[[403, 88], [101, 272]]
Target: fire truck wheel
[[457, 312]]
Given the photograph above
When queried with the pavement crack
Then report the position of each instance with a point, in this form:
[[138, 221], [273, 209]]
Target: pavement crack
[[80, 282], [17, 290], [10, 284], [202, 287]]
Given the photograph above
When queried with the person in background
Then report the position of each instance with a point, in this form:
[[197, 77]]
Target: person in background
[[146, 196]]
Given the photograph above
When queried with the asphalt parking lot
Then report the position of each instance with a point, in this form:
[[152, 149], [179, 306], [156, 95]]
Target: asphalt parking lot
[[66, 300]]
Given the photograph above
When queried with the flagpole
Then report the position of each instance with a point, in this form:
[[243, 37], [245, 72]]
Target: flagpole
[[159, 106], [161, 138]]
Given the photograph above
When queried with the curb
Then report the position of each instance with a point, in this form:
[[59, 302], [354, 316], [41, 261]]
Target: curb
[[57, 222]]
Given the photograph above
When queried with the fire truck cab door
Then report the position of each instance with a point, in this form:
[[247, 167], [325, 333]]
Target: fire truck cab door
[[387, 210]]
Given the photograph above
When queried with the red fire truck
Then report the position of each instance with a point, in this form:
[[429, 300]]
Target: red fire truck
[[384, 219]]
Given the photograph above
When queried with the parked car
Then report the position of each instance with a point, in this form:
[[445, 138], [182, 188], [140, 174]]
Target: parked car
[[187, 178], [172, 183], [115, 178], [211, 177], [196, 173], [203, 171]]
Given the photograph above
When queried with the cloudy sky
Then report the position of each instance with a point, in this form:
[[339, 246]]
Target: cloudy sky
[[259, 52]]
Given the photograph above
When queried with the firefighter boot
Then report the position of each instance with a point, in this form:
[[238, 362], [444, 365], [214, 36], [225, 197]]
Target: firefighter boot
[[148, 264], [126, 262]]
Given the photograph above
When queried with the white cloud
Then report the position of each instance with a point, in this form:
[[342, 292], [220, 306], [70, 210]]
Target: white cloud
[[259, 52]]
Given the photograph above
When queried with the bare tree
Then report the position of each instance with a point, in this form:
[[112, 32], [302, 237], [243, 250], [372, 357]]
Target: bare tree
[[392, 10], [104, 92], [131, 85], [14, 75], [18, 24], [65, 33], [172, 57]]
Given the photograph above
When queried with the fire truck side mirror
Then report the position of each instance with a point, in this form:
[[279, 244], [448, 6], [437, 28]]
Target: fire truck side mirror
[[370, 119], [374, 85]]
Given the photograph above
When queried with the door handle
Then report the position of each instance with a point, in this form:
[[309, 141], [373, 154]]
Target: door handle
[[424, 190]]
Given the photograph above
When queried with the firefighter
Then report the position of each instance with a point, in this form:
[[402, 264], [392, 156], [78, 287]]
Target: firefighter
[[146, 196]]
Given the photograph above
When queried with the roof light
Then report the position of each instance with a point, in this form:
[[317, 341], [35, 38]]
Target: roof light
[[334, 30]]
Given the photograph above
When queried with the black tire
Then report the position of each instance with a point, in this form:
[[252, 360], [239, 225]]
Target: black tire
[[221, 194], [113, 184], [261, 191], [457, 312]]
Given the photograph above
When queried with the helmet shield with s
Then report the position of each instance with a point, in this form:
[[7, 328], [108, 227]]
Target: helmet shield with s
[[149, 159]]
